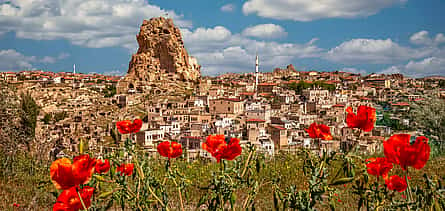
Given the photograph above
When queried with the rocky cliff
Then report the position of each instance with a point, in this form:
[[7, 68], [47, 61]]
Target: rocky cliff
[[161, 60]]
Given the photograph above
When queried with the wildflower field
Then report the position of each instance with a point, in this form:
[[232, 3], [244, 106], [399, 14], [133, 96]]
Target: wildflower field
[[404, 177]]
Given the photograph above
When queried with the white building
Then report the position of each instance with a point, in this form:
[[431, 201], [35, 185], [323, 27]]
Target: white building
[[267, 145], [224, 122], [149, 138], [57, 80], [172, 128]]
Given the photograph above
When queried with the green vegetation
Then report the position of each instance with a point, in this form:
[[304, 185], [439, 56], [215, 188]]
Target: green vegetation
[[47, 118], [56, 117], [442, 83], [109, 91], [30, 111], [301, 85], [60, 116], [25, 181], [392, 123], [429, 116]]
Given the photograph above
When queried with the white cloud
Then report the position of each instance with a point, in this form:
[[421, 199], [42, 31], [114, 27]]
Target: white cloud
[[63, 56], [430, 65], [304, 10], [228, 8], [440, 38], [11, 60], [392, 69], [218, 51], [52, 60], [357, 51], [48, 60], [354, 70], [424, 67], [265, 31], [114, 73], [423, 38], [93, 23]]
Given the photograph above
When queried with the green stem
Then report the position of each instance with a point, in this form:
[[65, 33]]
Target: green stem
[[410, 196], [81, 200], [180, 194], [157, 198], [247, 163], [220, 195]]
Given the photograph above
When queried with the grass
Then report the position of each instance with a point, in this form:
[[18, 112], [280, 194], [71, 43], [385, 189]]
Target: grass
[[25, 181]]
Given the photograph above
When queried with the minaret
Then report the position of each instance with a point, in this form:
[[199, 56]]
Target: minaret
[[74, 75], [256, 75]]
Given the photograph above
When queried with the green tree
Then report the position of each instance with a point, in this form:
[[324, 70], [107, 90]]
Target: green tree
[[30, 111], [109, 91], [442, 83], [429, 116], [47, 118], [60, 116], [10, 126]]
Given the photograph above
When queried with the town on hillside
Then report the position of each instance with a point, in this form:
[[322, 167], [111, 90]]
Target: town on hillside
[[164, 88], [271, 112]]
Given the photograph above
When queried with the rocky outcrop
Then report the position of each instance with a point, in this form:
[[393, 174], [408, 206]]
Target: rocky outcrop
[[160, 60], [289, 71]]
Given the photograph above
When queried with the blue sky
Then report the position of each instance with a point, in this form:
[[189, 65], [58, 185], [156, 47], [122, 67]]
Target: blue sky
[[387, 36]]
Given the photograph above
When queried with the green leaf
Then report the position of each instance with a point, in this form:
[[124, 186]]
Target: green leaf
[[232, 199], [342, 181], [105, 194], [100, 178], [202, 201], [81, 146]]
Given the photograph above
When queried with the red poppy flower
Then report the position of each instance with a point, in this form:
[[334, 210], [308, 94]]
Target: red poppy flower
[[65, 174], [127, 126], [213, 143], [125, 169], [16, 205], [398, 150], [319, 131], [364, 119], [172, 150], [396, 183], [69, 199], [219, 149], [379, 167], [102, 166]]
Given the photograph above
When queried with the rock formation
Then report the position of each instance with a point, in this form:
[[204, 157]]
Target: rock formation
[[161, 63], [289, 71]]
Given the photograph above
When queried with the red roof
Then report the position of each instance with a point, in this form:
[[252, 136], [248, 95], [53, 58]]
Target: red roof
[[232, 99], [278, 127], [255, 120], [338, 105], [247, 93], [264, 94], [267, 84]]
